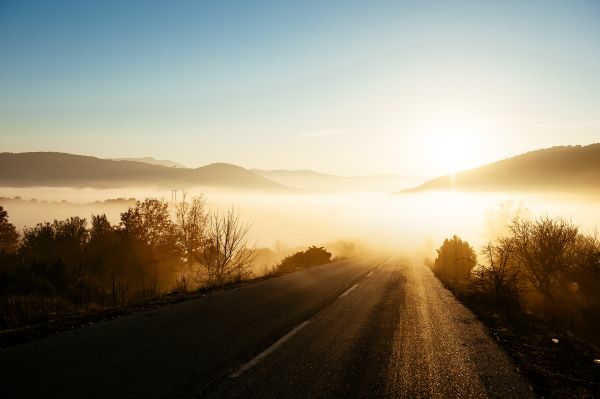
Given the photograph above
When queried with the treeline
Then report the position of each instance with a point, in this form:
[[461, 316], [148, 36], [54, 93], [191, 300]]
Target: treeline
[[18, 199], [71, 265], [543, 266]]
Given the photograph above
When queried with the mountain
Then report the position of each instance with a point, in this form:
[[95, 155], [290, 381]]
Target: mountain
[[311, 180], [53, 169], [556, 169], [153, 161]]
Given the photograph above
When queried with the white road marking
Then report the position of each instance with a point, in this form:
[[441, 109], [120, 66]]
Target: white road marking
[[348, 290], [370, 274], [281, 341], [269, 350]]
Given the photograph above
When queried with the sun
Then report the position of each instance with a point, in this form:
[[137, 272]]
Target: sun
[[449, 153], [450, 147]]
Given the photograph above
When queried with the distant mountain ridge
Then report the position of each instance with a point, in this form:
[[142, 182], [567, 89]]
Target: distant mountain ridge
[[556, 169], [311, 180], [153, 161], [54, 169]]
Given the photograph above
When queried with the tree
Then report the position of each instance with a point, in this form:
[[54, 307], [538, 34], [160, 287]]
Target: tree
[[588, 255], [9, 237], [151, 241], [455, 259], [101, 228], [544, 250], [38, 243], [71, 236], [227, 256], [149, 222], [53, 254], [500, 276], [104, 251], [584, 276], [60, 240], [192, 221]]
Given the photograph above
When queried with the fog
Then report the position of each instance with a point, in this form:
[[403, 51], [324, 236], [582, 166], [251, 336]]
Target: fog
[[399, 223]]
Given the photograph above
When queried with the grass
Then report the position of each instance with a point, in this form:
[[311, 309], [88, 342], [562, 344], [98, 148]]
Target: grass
[[48, 319]]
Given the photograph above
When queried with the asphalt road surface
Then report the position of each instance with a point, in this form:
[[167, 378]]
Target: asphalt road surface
[[350, 329]]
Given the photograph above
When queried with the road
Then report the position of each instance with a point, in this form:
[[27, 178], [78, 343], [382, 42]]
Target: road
[[378, 328]]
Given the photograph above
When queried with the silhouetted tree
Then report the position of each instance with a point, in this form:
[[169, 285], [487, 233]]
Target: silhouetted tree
[[227, 256], [587, 253], [60, 240], [544, 249], [586, 271], [101, 228], [149, 222], [192, 223], [192, 220], [151, 237], [9, 237], [53, 259], [105, 252], [499, 276], [455, 259], [70, 237]]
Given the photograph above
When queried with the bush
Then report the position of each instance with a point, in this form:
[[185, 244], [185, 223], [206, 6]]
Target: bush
[[455, 260], [313, 256]]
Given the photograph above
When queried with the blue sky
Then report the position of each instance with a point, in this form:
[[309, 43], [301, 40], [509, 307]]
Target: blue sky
[[338, 86]]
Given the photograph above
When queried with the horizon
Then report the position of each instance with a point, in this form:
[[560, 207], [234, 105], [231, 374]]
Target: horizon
[[380, 199], [251, 169], [388, 88]]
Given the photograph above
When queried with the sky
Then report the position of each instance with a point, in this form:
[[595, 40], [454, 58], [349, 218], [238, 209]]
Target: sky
[[344, 87]]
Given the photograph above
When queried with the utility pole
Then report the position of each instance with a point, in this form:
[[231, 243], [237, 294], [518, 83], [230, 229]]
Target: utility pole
[[173, 195]]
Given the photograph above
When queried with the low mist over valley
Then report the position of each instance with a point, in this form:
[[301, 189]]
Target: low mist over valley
[[305, 207], [299, 199]]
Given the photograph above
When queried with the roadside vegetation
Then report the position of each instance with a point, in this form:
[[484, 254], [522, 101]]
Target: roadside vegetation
[[313, 256], [66, 273], [536, 285], [73, 266]]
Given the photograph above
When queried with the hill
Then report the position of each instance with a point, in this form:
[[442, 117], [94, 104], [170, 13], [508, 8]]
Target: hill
[[556, 169], [311, 180], [53, 169], [153, 161]]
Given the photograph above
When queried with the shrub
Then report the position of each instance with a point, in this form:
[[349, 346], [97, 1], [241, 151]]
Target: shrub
[[455, 260], [313, 256]]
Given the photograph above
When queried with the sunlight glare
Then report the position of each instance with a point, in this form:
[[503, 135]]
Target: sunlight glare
[[451, 146]]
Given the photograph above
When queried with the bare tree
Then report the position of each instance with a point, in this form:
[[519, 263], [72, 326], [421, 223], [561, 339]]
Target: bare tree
[[544, 249], [499, 276], [588, 254], [227, 256], [192, 221]]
